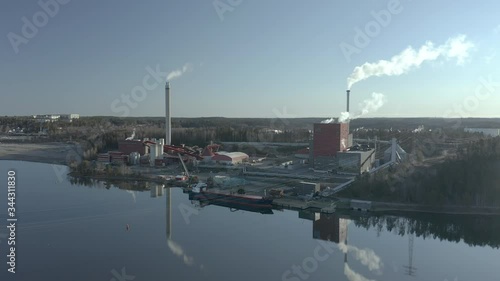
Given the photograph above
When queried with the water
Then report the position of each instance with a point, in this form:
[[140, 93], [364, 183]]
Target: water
[[77, 232]]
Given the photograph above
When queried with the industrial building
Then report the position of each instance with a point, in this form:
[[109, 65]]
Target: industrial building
[[330, 138], [133, 145], [355, 161], [209, 151], [303, 153], [229, 158], [307, 188]]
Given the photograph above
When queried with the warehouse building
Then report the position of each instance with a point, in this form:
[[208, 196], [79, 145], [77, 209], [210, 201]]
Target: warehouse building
[[229, 158], [307, 188]]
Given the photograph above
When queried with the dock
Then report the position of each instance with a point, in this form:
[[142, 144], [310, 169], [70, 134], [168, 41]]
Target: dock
[[327, 207]]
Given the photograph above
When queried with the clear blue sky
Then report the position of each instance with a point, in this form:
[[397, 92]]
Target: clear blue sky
[[261, 59]]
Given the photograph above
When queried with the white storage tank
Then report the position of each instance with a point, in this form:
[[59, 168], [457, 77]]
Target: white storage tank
[[134, 158], [152, 154]]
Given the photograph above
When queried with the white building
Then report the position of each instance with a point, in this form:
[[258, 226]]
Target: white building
[[229, 158], [69, 117], [56, 117], [485, 131], [47, 117]]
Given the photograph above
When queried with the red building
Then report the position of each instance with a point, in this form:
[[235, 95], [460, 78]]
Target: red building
[[118, 157], [129, 146], [330, 138]]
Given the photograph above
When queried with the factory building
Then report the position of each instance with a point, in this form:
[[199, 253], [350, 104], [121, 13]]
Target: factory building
[[129, 146], [303, 153], [103, 157], [330, 138], [307, 188], [230, 158], [355, 161], [118, 157], [209, 151]]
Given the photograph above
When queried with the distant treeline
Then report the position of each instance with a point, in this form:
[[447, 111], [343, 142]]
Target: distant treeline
[[32, 125], [473, 230]]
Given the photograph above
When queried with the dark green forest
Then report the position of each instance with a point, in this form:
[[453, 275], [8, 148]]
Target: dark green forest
[[470, 177], [472, 230]]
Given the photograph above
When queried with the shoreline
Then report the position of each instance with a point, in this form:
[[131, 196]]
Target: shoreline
[[47, 153], [56, 153]]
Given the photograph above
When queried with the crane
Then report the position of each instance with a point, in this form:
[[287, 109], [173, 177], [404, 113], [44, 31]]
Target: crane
[[179, 150]]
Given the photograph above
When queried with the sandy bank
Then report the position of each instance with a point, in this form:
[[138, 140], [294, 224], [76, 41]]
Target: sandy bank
[[52, 153]]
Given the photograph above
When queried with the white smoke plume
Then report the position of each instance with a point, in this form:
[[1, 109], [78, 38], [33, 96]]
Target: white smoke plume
[[371, 105], [367, 106], [178, 73], [344, 116], [331, 120], [133, 195], [367, 257], [455, 48], [132, 136], [354, 276], [178, 251]]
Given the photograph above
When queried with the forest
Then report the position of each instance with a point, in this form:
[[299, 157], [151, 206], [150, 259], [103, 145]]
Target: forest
[[469, 177], [473, 230]]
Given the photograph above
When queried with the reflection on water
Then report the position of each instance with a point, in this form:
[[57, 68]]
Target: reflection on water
[[473, 230], [334, 228], [359, 261]]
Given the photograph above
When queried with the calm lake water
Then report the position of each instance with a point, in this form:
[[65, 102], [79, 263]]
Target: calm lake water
[[76, 232]]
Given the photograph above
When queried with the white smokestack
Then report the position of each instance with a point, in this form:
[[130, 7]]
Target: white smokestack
[[348, 94], [457, 47], [168, 130], [170, 76]]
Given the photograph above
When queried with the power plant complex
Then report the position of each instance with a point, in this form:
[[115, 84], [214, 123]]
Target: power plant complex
[[331, 148]]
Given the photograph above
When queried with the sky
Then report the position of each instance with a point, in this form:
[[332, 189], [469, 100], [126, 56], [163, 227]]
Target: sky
[[242, 58]]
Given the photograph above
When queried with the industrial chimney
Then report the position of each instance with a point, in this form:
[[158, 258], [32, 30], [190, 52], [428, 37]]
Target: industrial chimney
[[348, 93], [167, 115]]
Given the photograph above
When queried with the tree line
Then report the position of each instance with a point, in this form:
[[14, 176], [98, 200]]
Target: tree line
[[469, 178], [473, 230]]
